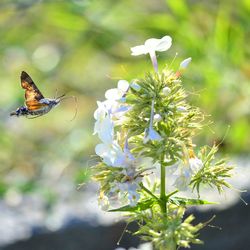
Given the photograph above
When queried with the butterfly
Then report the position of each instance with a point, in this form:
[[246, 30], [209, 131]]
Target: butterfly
[[35, 103]]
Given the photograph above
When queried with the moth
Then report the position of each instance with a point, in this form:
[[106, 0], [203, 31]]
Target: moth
[[35, 103]]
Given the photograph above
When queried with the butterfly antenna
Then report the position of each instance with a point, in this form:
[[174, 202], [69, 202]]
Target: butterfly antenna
[[33, 117], [63, 97]]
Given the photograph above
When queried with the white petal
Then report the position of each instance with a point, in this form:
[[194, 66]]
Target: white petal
[[118, 156], [123, 85], [111, 105], [111, 154], [138, 50], [164, 44], [106, 130], [100, 149], [185, 63], [112, 94], [152, 43], [100, 111]]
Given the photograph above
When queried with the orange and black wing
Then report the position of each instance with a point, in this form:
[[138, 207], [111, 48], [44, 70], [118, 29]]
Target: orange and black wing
[[32, 93]]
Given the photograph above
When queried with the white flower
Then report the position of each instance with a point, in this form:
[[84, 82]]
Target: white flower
[[195, 164], [185, 63], [119, 92], [187, 171], [151, 46], [116, 101], [131, 188], [133, 197], [111, 154], [111, 112], [183, 179]]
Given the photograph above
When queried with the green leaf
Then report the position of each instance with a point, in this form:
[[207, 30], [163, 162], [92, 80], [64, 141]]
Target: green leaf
[[141, 206], [188, 201]]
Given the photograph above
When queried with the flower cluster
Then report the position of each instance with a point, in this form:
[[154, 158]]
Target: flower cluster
[[114, 150], [145, 127]]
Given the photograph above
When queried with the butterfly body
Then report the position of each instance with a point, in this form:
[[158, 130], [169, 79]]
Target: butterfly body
[[35, 103], [49, 104]]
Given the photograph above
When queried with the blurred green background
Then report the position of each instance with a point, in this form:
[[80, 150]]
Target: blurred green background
[[82, 48]]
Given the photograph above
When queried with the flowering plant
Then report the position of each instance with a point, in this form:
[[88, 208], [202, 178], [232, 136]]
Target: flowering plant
[[146, 128]]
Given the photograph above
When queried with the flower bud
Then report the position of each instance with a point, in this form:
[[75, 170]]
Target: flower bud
[[135, 86], [157, 118], [166, 91]]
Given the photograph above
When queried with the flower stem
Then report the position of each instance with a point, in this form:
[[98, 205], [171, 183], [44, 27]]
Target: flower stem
[[154, 60], [163, 187]]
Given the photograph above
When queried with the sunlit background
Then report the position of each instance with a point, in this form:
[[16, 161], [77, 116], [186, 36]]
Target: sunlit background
[[81, 48]]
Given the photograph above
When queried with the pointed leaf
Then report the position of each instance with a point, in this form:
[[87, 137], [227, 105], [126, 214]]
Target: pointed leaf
[[143, 205], [189, 201]]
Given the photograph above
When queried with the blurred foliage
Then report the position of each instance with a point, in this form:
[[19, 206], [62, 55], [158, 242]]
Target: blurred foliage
[[81, 48]]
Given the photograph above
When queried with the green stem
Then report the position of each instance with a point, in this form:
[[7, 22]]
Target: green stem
[[163, 187]]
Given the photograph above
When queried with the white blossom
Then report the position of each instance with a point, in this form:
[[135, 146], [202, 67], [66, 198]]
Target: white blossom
[[183, 179], [111, 112], [186, 172], [195, 164], [117, 93], [151, 46], [111, 153]]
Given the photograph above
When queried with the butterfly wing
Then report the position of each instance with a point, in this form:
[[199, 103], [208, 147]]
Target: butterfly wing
[[32, 93]]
